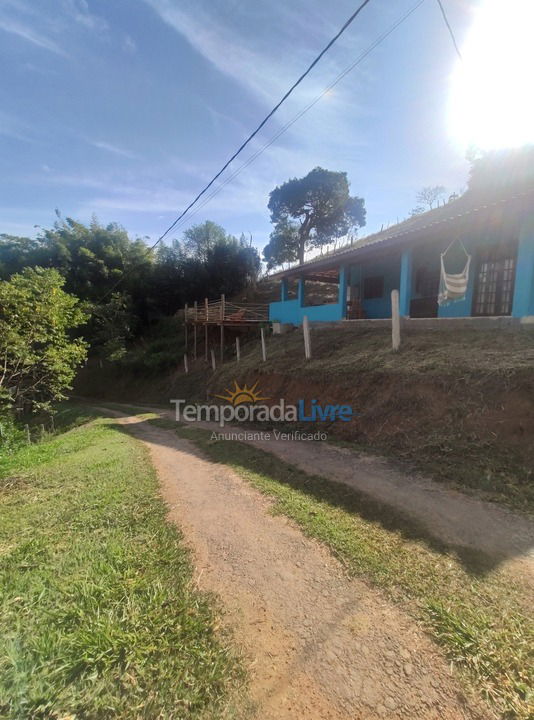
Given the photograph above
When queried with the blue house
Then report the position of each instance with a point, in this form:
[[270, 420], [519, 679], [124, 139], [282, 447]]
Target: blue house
[[498, 235]]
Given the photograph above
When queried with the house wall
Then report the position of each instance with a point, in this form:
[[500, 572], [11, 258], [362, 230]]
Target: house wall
[[389, 269], [524, 280], [292, 311]]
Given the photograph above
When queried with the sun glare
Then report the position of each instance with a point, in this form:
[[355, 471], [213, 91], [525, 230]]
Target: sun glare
[[492, 93]]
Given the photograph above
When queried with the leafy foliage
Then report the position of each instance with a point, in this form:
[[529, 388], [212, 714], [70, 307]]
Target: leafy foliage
[[200, 239], [37, 357], [498, 170], [311, 212], [93, 259]]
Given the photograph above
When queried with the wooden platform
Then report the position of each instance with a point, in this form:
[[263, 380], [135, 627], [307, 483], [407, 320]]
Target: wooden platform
[[220, 312]]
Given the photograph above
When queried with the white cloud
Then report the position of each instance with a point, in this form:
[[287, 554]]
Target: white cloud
[[266, 61], [109, 147], [80, 13], [15, 27], [129, 44]]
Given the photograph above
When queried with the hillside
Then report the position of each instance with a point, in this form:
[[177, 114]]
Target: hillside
[[457, 406]]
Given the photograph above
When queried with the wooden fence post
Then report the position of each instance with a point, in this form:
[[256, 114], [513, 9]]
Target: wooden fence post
[[185, 325], [206, 310], [195, 332], [395, 320], [263, 348], [222, 328], [238, 349], [28, 436], [213, 365], [307, 341], [186, 364]]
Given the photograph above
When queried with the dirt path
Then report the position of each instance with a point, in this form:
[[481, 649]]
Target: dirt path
[[506, 537], [449, 515], [320, 646]]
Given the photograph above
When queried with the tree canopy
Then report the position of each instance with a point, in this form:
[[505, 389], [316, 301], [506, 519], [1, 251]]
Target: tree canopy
[[38, 358], [511, 169], [92, 258], [310, 212]]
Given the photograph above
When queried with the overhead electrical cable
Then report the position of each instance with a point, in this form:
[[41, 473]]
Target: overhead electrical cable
[[259, 127], [308, 107], [449, 28]]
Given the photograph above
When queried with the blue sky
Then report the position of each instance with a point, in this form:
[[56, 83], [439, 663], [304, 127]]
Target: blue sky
[[124, 108]]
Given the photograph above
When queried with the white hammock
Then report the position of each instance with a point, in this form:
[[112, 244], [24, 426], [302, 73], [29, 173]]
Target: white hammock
[[453, 286]]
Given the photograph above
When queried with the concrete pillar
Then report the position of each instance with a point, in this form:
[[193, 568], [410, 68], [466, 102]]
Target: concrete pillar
[[342, 292], [405, 285], [301, 291], [523, 303], [283, 290]]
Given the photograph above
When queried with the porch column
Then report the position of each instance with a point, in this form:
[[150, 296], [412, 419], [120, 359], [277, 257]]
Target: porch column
[[405, 285], [523, 303], [342, 292], [283, 290], [301, 291]]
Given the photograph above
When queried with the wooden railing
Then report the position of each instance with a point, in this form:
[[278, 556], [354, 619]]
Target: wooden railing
[[217, 311]]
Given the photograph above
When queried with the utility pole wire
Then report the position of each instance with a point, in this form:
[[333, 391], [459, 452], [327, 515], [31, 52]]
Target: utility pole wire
[[449, 28], [259, 127], [302, 112]]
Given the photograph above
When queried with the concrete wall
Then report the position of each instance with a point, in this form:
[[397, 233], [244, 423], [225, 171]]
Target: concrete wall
[[389, 269], [293, 311]]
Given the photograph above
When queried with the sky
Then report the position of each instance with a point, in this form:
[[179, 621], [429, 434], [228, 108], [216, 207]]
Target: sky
[[124, 109]]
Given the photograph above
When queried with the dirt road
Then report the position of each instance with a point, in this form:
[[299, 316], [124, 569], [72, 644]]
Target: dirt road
[[450, 516], [319, 645]]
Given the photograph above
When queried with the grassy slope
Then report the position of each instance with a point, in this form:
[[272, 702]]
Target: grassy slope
[[454, 405], [98, 617], [480, 616]]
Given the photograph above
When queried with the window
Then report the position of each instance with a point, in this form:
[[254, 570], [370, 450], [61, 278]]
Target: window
[[373, 287], [427, 282], [494, 281]]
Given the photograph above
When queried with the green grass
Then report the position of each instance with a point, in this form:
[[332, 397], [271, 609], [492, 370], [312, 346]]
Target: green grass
[[452, 405], [99, 617], [478, 614]]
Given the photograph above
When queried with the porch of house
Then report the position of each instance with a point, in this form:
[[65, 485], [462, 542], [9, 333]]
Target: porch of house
[[501, 280]]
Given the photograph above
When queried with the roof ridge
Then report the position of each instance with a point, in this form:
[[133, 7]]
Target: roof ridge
[[388, 235]]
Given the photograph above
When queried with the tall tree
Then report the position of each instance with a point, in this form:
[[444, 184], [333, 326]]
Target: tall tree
[[38, 358], [311, 212], [200, 239]]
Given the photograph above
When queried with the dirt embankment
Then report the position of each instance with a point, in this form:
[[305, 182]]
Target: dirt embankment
[[458, 407]]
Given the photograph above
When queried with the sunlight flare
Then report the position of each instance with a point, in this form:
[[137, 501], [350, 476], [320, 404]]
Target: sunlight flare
[[491, 101]]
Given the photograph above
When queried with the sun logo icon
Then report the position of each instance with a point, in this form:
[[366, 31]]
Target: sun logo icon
[[240, 395]]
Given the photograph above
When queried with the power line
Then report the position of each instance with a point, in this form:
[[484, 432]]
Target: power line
[[449, 28], [308, 107], [259, 127]]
